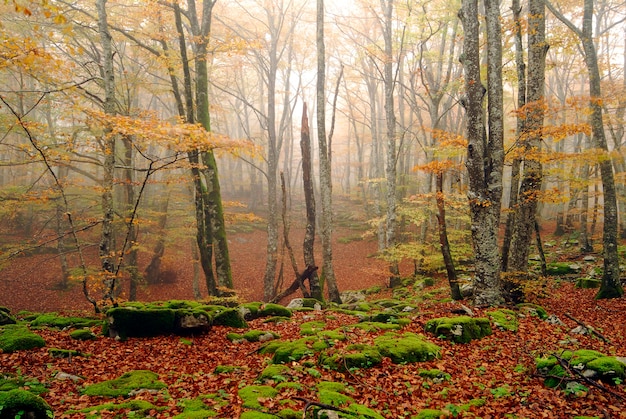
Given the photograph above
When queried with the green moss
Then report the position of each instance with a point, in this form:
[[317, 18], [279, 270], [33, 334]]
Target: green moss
[[376, 327], [428, 414], [311, 328], [252, 336], [562, 268], [13, 382], [293, 350], [125, 384], [353, 356], [82, 334], [374, 290], [332, 335], [434, 375], [289, 385], [256, 415], [139, 408], [587, 283], [226, 369], [250, 395], [334, 398], [607, 367], [21, 403], [406, 348], [581, 356], [277, 319], [250, 310], [62, 322], [196, 414], [270, 309], [504, 319], [556, 372], [17, 337], [461, 329], [6, 317], [147, 322], [331, 386], [364, 411], [534, 310], [276, 372], [230, 317], [178, 304], [289, 414]]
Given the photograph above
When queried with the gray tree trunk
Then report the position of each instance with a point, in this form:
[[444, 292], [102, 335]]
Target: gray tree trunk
[[325, 169], [485, 154], [610, 287], [530, 139]]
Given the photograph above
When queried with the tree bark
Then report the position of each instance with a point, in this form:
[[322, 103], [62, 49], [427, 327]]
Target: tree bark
[[530, 139], [455, 291], [610, 287], [325, 169], [485, 155], [309, 198]]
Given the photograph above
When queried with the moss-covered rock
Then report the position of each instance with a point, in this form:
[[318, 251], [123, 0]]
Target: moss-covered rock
[[82, 334], [504, 319], [429, 414], [311, 328], [275, 372], [607, 367], [6, 317], [191, 321], [23, 404], [250, 395], [593, 364], [434, 375], [562, 268], [252, 336], [353, 356], [140, 322], [461, 329], [269, 309], [293, 350], [62, 322], [586, 283], [533, 310], [230, 317], [406, 348], [126, 384], [18, 337]]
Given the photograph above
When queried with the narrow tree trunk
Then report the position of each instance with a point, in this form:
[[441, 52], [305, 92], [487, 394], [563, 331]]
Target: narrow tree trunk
[[443, 240], [309, 198], [325, 169]]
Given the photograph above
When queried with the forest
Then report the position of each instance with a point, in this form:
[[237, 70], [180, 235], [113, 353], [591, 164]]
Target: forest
[[402, 209]]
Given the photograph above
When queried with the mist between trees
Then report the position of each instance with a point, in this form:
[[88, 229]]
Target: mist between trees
[[454, 131]]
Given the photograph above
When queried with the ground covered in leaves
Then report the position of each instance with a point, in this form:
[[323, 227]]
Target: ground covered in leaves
[[490, 377]]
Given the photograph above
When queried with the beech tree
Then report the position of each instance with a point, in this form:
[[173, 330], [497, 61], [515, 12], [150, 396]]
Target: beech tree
[[485, 150], [611, 286]]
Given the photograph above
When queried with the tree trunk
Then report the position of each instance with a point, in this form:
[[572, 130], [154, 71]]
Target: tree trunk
[[610, 287], [309, 198], [530, 139], [485, 155], [325, 169], [153, 270], [106, 247], [443, 240]]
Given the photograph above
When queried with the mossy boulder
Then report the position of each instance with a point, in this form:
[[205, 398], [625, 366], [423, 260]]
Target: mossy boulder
[[533, 310], [23, 404], [504, 319], [406, 348], [230, 317], [140, 322], [587, 283], [192, 321], [126, 384], [591, 363], [18, 337], [562, 268], [311, 328], [269, 310], [607, 368], [63, 322], [461, 329], [252, 336], [131, 408], [82, 334], [6, 317], [294, 350], [275, 372], [352, 356]]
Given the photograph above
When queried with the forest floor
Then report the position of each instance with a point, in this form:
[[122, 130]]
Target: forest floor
[[492, 377]]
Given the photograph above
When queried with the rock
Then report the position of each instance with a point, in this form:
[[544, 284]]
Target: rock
[[296, 303], [65, 376], [467, 290], [579, 330], [460, 329], [552, 319], [5, 317], [193, 322], [589, 258], [349, 297]]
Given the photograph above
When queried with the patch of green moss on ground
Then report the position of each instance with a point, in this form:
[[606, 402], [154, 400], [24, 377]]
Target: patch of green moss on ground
[[561, 268], [277, 319], [289, 385], [375, 327], [504, 319], [434, 375], [406, 348], [250, 395], [139, 408], [587, 283], [461, 329], [581, 356], [275, 372], [334, 398], [607, 367], [534, 310], [125, 384], [429, 414], [21, 403], [311, 328], [332, 335], [18, 337], [13, 382], [361, 411], [64, 353], [61, 322]]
